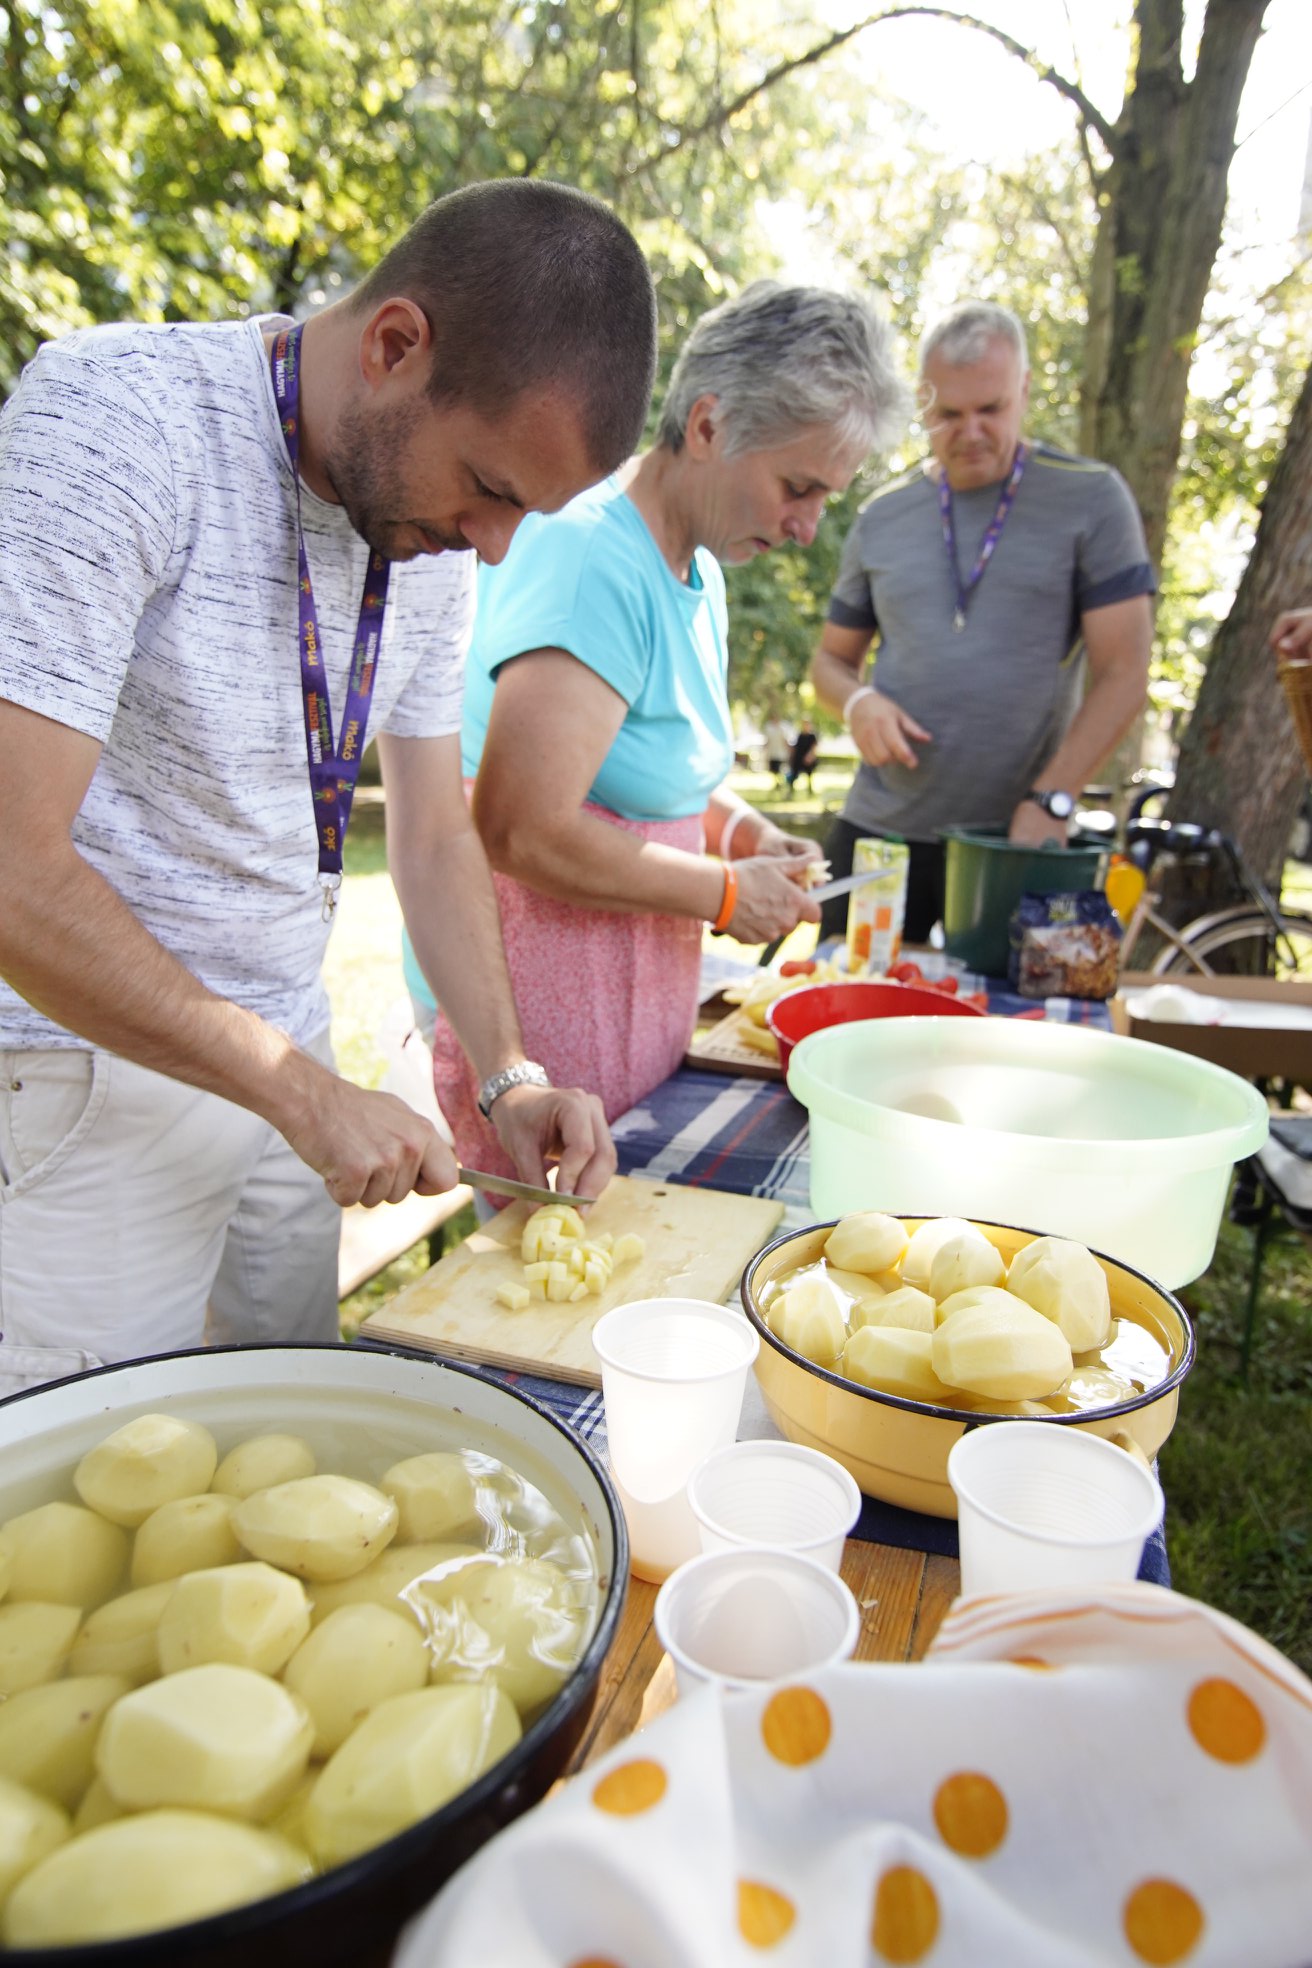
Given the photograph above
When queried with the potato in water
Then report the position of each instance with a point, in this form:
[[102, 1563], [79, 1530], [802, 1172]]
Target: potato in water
[[147, 1462], [213, 1738], [320, 1527]]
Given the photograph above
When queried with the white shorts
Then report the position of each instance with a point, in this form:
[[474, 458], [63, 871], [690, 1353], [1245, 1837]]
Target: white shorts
[[139, 1216]]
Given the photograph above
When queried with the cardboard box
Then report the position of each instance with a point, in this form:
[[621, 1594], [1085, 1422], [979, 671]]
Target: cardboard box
[[1270, 1049]]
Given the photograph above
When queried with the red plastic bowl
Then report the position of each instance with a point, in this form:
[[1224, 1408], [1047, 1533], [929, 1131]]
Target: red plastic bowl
[[813, 1006]]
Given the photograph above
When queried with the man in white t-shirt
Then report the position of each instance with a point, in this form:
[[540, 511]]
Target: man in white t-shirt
[[191, 610]]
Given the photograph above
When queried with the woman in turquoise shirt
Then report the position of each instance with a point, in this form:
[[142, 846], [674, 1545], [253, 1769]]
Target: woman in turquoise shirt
[[597, 726]]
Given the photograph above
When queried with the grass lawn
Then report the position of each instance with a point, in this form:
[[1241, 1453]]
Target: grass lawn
[[1238, 1467]]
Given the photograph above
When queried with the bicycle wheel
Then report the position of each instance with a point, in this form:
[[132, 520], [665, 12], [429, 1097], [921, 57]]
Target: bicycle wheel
[[1247, 944]]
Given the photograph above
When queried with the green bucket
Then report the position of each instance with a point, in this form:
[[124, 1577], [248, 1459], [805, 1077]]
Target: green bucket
[[985, 878]]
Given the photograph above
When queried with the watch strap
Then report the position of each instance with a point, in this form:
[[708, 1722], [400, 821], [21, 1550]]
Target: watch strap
[[525, 1072]]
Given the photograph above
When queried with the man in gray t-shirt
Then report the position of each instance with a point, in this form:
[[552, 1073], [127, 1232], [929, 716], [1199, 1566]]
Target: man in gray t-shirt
[[988, 574]]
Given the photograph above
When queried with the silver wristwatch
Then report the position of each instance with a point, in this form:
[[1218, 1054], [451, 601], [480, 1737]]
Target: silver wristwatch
[[526, 1072]]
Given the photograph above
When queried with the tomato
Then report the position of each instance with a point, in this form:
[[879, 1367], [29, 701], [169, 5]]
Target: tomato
[[906, 973], [948, 985], [980, 999], [798, 967]]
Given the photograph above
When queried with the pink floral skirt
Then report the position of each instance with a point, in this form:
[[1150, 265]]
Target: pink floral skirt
[[606, 1001]]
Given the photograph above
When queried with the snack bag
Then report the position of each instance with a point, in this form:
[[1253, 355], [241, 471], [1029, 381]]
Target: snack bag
[[876, 909], [1065, 946]]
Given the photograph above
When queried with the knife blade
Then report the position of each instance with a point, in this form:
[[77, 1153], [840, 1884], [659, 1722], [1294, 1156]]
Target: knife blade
[[503, 1185], [843, 884]]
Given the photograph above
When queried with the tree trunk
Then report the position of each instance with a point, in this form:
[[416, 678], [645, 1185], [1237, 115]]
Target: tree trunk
[[1241, 767]]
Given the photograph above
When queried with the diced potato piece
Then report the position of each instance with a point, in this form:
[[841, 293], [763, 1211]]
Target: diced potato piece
[[869, 1241], [896, 1361], [1066, 1283], [30, 1829], [906, 1307], [97, 1808], [628, 1248], [606, 1240], [552, 1225], [160, 1869], [262, 1462], [596, 1277], [48, 1734], [388, 1581], [559, 1289], [406, 1759], [434, 1494], [999, 1346], [359, 1656], [120, 1637], [321, 1527], [213, 1738], [65, 1555], [514, 1296], [963, 1261], [35, 1639], [514, 1621], [919, 1253], [250, 1615], [578, 1291], [538, 1273], [807, 1317], [147, 1462], [192, 1535]]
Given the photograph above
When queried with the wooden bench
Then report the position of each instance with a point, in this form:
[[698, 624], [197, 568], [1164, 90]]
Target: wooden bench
[[374, 1238]]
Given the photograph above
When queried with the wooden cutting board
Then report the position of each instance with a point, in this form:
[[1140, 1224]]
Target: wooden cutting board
[[723, 1048], [697, 1243]]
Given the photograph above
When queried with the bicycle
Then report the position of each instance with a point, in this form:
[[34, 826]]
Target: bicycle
[[1253, 938]]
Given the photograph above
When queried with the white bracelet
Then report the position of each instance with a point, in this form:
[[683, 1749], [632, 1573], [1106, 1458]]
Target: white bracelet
[[726, 832], [863, 690]]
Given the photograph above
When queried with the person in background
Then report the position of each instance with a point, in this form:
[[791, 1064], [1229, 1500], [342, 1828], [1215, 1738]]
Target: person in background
[[990, 576], [778, 745], [225, 548], [802, 757], [596, 717]]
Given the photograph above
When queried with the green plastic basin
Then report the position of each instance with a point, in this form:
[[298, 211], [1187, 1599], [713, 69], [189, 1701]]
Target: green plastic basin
[[986, 876]]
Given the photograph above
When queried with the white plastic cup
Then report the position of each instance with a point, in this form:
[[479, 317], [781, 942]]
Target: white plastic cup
[[673, 1373], [1041, 1506], [746, 1618], [778, 1494]]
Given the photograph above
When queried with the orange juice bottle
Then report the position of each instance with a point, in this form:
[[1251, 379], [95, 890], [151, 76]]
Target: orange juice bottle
[[876, 909]]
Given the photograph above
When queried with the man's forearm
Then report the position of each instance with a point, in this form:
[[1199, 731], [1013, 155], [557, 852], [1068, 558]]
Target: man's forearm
[[1107, 713], [835, 679]]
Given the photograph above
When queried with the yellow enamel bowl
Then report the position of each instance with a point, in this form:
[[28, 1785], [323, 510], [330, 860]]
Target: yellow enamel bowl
[[898, 1449]]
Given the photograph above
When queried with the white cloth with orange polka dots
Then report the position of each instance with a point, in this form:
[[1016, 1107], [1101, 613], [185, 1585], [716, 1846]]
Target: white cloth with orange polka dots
[[1147, 1798]]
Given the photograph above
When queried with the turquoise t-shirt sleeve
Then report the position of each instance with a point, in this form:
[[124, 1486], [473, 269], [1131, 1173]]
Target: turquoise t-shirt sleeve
[[566, 587]]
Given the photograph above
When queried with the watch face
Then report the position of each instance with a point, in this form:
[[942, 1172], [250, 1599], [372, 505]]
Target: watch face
[[1060, 805]]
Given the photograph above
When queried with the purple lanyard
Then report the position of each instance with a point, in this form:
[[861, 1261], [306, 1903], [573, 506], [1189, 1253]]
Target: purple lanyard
[[333, 773], [992, 534]]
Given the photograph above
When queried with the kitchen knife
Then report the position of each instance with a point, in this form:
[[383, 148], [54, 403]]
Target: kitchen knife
[[845, 882], [502, 1185]]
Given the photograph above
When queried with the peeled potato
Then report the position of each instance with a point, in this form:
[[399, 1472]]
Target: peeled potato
[[120, 1638], [65, 1555], [248, 1615], [357, 1657], [856, 1284], [48, 1735], [147, 1462], [320, 1527], [808, 1318], [407, 1758], [997, 1345], [261, 1463], [911, 1309], [434, 1495], [513, 1621], [389, 1580], [213, 1738], [30, 1829], [192, 1535], [869, 1242], [896, 1361], [97, 1808], [159, 1869], [35, 1639], [922, 1244], [1066, 1283], [962, 1261]]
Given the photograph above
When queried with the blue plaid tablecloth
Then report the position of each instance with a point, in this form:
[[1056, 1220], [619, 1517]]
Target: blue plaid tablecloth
[[716, 1131]]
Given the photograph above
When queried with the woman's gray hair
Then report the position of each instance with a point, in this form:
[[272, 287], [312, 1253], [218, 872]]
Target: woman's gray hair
[[780, 360], [965, 333]]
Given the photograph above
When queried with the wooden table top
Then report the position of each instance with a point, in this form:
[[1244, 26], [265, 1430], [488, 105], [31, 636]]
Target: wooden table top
[[903, 1596]]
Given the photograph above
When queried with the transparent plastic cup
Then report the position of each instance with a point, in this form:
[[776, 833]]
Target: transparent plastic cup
[[1042, 1506], [778, 1494], [673, 1372], [749, 1617]]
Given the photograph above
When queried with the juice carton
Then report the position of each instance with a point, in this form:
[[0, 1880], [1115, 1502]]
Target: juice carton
[[876, 908]]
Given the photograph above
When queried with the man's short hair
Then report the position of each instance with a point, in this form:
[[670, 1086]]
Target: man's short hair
[[780, 360], [528, 285], [965, 333]]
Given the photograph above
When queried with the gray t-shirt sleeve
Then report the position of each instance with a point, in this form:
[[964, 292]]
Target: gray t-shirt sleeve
[[851, 605], [1112, 555]]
